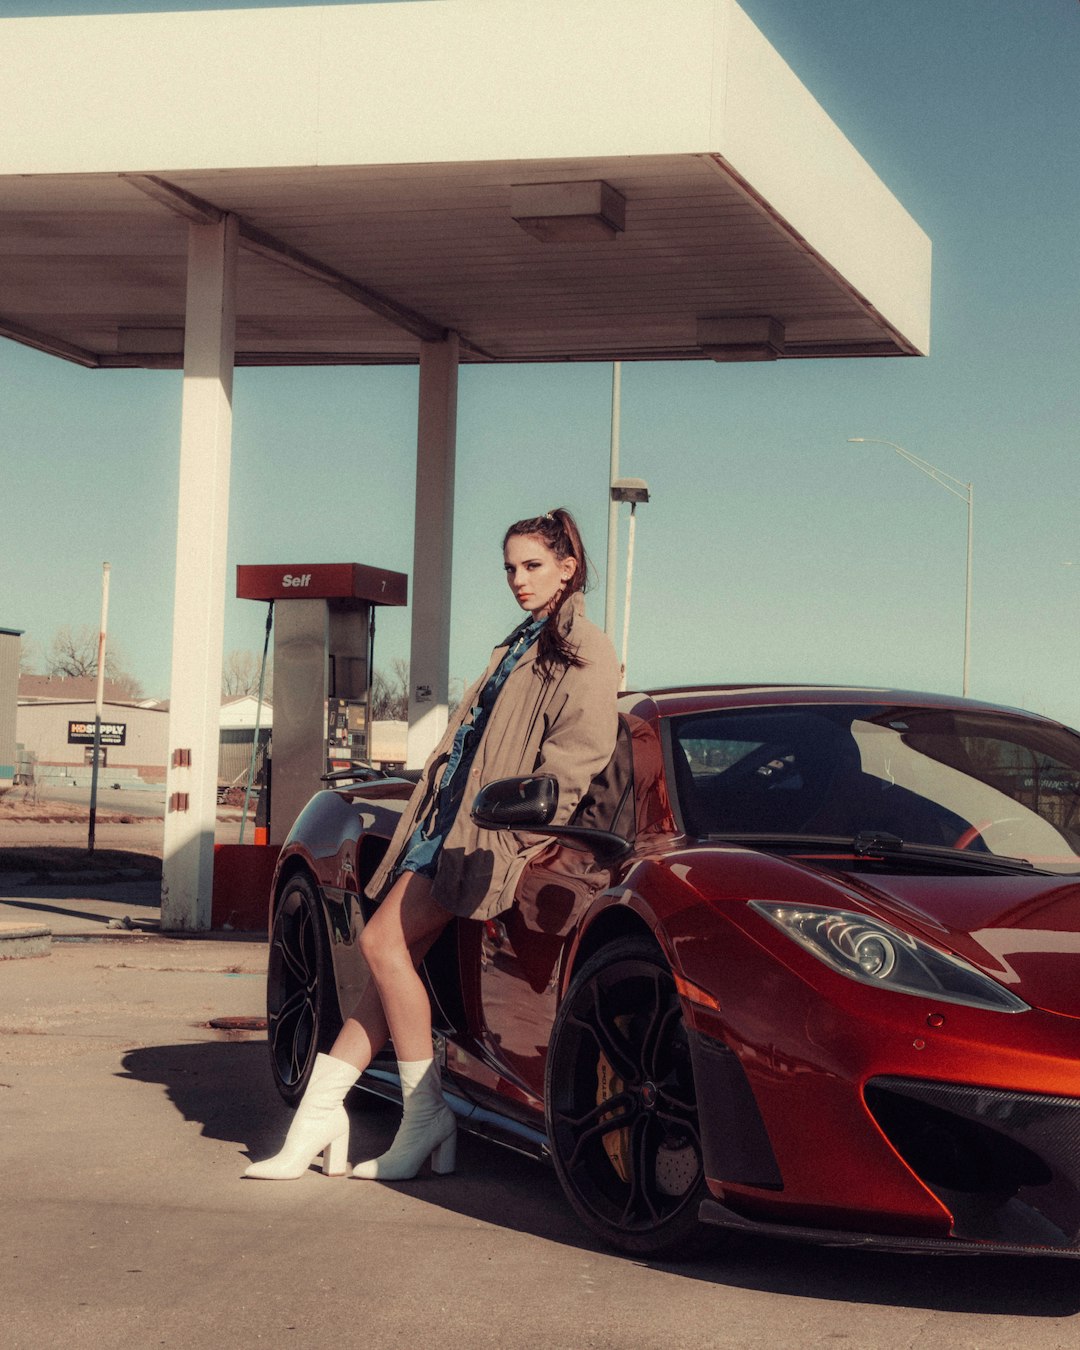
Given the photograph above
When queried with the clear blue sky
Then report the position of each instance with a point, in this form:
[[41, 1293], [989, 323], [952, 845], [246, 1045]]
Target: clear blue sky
[[772, 549]]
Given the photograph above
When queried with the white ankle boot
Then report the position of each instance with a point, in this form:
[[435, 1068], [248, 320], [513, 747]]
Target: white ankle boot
[[319, 1126], [428, 1128]]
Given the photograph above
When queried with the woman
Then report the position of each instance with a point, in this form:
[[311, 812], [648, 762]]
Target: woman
[[545, 704]]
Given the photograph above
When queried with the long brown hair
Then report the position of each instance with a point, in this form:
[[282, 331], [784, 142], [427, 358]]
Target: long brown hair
[[559, 532]]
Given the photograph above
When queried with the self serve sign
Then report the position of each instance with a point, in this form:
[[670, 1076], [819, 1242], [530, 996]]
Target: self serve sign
[[292, 580]]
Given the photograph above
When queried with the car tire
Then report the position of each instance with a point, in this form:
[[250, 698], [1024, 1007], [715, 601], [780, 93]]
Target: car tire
[[302, 1014], [632, 1172]]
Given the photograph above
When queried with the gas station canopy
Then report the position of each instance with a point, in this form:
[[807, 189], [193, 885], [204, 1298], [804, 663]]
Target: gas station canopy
[[567, 180], [432, 182]]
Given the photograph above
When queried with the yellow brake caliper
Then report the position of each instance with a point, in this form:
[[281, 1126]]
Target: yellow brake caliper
[[608, 1085]]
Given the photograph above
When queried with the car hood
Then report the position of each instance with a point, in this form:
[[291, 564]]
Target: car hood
[[1023, 931]]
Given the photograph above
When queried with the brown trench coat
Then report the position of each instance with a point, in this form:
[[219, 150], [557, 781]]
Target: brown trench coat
[[565, 726]]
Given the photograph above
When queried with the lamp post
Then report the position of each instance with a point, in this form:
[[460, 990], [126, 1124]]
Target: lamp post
[[632, 490], [98, 703], [966, 493], [613, 505]]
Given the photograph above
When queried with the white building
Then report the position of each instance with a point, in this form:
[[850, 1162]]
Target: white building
[[57, 736]]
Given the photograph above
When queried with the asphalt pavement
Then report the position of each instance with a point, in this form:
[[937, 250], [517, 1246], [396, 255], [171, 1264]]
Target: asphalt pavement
[[135, 1087]]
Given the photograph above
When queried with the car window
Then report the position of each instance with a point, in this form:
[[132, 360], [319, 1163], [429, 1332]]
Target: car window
[[988, 782]]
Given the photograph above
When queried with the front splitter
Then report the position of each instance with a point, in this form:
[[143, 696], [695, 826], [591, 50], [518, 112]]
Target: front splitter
[[713, 1212]]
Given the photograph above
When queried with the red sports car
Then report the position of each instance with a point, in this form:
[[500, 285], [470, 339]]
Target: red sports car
[[806, 962]]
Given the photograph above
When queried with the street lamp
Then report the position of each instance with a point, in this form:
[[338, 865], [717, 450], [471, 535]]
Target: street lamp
[[966, 493], [613, 505], [632, 490]]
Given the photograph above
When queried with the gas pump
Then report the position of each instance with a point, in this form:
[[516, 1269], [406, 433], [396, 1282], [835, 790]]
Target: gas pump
[[324, 628]]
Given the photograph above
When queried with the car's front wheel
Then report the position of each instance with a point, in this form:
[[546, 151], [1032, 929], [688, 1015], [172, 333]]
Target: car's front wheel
[[302, 1015], [621, 1108]]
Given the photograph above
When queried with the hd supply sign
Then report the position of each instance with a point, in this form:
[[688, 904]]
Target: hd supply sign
[[82, 733]]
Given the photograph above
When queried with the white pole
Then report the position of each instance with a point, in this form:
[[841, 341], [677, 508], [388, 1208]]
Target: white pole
[[433, 548], [626, 605], [967, 593], [187, 865], [613, 506], [99, 702]]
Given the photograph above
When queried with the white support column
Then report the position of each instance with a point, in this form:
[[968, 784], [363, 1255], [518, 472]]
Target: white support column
[[199, 604], [433, 545]]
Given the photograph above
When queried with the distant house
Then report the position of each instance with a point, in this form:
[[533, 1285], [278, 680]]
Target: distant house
[[389, 743], [238, 718]]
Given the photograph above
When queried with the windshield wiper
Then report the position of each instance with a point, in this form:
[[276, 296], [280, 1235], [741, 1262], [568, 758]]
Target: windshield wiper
[[875, 843]]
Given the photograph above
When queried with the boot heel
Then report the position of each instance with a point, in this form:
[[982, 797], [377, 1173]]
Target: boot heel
[[335, 1158], [444, 1156]]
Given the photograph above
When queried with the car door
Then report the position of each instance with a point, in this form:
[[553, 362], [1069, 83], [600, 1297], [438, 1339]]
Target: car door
[[521, 953], [521, 957]]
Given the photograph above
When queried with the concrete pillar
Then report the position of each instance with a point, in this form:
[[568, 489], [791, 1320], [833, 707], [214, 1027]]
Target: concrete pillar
[[199, 604], [433, 545]]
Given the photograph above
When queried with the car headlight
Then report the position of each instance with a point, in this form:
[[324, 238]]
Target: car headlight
[[873, 952]]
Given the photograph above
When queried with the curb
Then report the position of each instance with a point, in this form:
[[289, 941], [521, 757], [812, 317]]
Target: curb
[[155, 935], [24, 939]]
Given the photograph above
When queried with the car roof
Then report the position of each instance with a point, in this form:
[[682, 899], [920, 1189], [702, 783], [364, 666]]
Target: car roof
[[676, 700]]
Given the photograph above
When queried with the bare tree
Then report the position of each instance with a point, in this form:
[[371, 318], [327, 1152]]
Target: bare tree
[[74, 652], [390, 693], [29, 656], [240, 675], [127, 686]]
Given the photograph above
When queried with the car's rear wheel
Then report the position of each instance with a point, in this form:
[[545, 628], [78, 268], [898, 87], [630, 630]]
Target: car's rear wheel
[[621, 1108], [302, 1015]]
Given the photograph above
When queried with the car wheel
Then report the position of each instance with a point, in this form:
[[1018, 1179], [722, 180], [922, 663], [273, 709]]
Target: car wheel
[[302, 1015], [621, 1108]]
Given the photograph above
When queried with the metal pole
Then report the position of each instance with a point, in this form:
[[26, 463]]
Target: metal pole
[[98, 702], [613, 506], [967, 595], [626, 605]]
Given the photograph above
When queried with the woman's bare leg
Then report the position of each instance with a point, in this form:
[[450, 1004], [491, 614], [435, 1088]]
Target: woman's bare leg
[[395, 1003]]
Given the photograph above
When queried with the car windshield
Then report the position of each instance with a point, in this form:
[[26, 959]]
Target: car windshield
[[961, 779]]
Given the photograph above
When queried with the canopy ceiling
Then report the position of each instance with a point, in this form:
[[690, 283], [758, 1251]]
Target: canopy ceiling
[[365, 229]]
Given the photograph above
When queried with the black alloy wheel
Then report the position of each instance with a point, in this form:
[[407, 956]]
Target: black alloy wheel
[[302, 1015], [621, 1107]]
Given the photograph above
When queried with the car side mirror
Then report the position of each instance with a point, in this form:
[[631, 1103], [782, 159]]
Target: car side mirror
[[528, 804], [517, 803]]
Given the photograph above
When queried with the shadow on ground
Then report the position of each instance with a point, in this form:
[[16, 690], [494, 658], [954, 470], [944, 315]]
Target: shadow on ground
[[102, 864], [227, 1089], [148, 923]]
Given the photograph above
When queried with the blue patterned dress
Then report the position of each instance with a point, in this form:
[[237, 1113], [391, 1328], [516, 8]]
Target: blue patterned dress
[[422, 853]]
